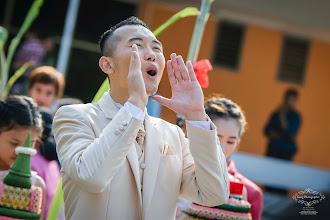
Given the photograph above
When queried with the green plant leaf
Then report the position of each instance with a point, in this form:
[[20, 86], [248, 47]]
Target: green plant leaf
[[3, 37], [30, 17], [189, 11], [5, 63], [16, 75], [3, 73], [104, 88], [57, 203]]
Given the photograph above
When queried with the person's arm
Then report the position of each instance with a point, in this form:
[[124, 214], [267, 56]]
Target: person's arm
[[205, 177], [270, 128], [88, 160], [291, 130], [93, 161], [41, 183]]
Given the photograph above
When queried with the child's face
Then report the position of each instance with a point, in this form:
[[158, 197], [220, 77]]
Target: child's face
[[228, 131], [43, 94], [11, 139]]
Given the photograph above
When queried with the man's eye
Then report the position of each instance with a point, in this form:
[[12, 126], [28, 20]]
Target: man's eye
[[157, 48], [230, 142], [139, 45]]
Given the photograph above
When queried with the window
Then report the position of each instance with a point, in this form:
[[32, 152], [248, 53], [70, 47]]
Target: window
[[228, 45], [293, 60]]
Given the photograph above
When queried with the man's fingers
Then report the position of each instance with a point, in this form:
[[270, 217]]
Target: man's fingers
[[162, 100], [176, 68], [170, 73], [135, 63], [191, 71], [183, 69]]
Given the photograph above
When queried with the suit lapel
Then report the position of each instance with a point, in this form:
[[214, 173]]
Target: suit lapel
[[152, 158], [110, 109], [133, 162]]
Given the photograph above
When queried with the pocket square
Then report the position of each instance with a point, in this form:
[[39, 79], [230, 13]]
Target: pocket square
[[166, 149]]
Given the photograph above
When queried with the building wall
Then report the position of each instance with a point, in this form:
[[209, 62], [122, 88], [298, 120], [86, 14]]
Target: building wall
[[255, 86]]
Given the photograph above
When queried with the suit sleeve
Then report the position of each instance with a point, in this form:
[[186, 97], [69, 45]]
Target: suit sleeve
[[88, 160], [205, 177]]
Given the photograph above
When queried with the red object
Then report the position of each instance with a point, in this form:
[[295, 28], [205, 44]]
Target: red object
[[201, 68], [254, 193], [236, 188]]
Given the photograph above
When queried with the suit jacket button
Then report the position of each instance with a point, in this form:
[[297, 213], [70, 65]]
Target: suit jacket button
[[124, 123], [117, 132], [121, 128], [143, 165]]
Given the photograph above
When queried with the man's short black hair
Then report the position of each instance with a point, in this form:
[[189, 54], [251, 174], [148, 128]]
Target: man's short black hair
[[108, 40]]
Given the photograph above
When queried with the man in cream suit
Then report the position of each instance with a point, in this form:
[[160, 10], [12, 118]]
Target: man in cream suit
[[109, 173]]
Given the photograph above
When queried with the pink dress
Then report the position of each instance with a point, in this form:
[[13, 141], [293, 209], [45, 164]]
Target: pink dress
[[50, 173], [254, 193]]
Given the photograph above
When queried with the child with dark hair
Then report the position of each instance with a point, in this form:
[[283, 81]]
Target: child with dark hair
[[46, 84], [230, 121], [19, 116]]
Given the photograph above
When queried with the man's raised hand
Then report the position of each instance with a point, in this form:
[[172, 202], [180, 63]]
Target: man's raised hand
[[187, 95], [137, 94]]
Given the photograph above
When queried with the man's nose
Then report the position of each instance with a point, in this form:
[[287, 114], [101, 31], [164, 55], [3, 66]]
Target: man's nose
[[150, 56]]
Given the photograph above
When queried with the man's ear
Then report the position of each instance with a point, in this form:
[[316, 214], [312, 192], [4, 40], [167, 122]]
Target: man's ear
[[105, 64]]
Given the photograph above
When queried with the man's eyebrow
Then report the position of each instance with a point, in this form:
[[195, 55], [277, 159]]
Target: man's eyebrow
[[134, 38], [158, 42], [139, 38]]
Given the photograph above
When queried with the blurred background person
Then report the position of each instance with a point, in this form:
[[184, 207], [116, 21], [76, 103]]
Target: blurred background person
[[281, 131], [282, 128], [36, 48]]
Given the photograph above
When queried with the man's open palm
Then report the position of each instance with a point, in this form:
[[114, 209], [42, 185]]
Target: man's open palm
[[187, 95]]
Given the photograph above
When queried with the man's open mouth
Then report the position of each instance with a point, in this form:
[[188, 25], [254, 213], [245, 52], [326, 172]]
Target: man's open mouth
[[151, 72]]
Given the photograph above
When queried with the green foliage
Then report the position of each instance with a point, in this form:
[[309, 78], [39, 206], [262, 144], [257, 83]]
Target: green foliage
[[3, 37], [5, 62], [189, 11], [104, 88], [17, 75], [57, 203]]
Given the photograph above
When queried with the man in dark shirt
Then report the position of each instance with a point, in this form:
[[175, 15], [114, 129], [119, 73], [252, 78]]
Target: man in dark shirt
[[282, 128]]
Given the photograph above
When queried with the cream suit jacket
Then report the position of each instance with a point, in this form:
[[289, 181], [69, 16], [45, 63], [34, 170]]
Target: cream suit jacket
[[100, 169]]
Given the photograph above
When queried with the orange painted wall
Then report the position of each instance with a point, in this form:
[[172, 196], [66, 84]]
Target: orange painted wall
[[255, 86]]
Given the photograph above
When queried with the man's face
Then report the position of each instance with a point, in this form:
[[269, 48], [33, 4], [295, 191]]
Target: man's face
[[43, 94], [151, 55], [291, 101]]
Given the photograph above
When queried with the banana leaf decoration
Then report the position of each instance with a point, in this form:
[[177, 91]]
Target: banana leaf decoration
[[57, 202]]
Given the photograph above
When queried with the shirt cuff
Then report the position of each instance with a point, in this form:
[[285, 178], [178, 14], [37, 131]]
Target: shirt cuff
[[201, 124], [135, 111]]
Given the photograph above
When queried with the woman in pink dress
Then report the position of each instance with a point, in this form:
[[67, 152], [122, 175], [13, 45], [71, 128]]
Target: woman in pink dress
[[230, 122]]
